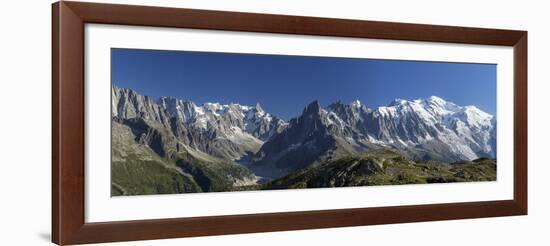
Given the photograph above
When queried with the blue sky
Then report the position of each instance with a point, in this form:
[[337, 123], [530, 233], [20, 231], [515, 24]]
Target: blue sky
[[284, 85]]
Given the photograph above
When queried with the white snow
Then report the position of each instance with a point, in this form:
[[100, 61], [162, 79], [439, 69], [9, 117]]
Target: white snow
[[333, 119], [356, 103], [462, 129], [201, 123], [198, 110], [294, 146]]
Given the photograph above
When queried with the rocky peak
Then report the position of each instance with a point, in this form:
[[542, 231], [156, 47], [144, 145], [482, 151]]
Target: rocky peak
[[258, 107], [474, 117], [436, 100], [356, 103], [337, 106], [397, 102], [127, 104], [312, 108]]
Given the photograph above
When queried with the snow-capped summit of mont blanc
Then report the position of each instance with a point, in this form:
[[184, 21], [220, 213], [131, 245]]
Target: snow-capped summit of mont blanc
[[422, 129]]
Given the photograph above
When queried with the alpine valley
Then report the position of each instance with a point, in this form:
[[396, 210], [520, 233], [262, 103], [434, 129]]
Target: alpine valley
[[168, 145]]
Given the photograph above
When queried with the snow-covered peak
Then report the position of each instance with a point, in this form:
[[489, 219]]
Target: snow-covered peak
[[397, 102], [439, 104], [441, 107], [215, 108], [466, 130], [475, 110], [358, 107], [255, 114], [259, 108], [436, 99], [244, 108], [178, 108], [433, 110], [434, 105], [474, 117]]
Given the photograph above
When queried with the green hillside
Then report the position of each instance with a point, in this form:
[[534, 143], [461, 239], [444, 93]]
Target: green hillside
[[385, 167]]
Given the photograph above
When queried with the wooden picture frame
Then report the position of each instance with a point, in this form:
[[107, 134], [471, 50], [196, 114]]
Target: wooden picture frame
[[68, 223]]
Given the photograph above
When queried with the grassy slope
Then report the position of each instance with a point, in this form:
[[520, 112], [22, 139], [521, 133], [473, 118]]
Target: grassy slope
[[137, 170], [149, 177], [384, 167]]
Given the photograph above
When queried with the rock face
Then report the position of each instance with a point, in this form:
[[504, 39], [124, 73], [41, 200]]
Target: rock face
[[214, 147], [315, 136]]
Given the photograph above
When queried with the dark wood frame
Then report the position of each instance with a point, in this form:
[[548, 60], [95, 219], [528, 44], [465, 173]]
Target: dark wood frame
[[68, 224]]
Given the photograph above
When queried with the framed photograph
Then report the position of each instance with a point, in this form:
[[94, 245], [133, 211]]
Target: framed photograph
[[176, 122]]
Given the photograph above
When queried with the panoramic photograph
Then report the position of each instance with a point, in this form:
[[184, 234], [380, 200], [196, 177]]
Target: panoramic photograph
[[191, 122]]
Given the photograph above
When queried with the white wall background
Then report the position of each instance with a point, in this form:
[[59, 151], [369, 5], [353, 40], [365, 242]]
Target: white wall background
[[25, 122]]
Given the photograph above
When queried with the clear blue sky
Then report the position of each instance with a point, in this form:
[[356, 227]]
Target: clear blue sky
[[284, 85]]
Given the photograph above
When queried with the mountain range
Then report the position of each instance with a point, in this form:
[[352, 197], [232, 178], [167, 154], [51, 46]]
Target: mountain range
[[213, 146]]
